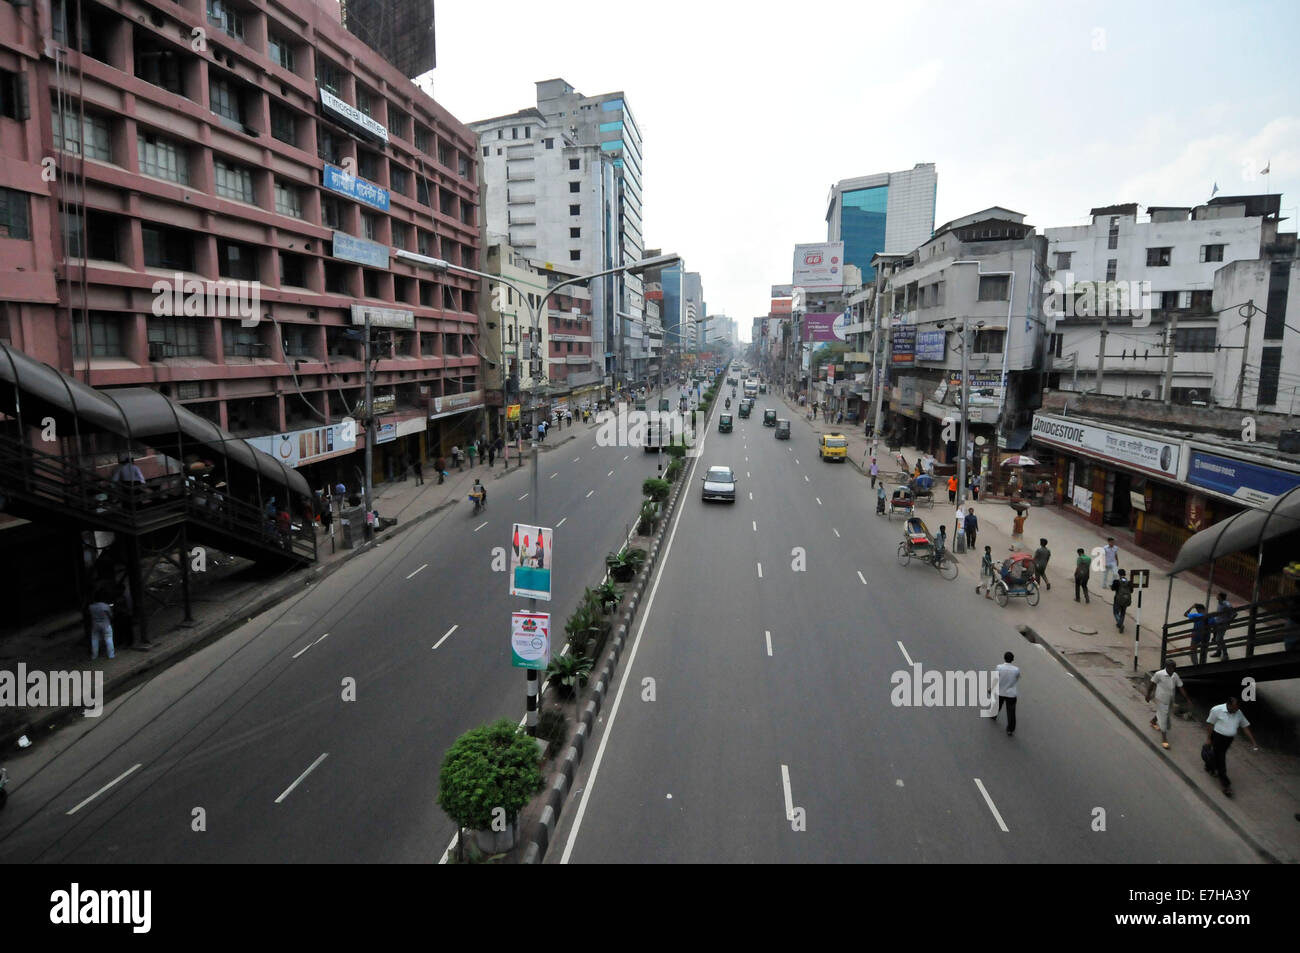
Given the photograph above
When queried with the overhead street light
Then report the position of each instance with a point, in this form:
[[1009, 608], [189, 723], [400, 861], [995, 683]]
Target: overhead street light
[[535, 312]]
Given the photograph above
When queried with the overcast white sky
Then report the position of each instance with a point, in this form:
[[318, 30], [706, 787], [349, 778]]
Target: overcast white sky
[[751, 111]]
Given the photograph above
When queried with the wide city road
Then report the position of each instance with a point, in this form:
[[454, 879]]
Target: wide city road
[[200, 763], [755, 699]]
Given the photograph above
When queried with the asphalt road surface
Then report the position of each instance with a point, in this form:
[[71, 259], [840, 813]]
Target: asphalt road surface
[[771, 704], [251, 738]]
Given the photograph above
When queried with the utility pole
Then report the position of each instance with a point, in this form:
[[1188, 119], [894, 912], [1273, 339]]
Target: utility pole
[[1245, 352], [1169, 359], [965, 414], [1101, 354], [371, 436], [883, 374]]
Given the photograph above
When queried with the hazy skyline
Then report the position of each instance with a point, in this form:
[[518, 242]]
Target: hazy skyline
[[1047, 109]]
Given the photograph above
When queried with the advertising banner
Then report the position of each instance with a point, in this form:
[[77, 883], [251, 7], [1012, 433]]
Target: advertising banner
[[530, 640], [306, 446], [824, 328], [904, 344], [354, 187], [383, 317], [1130, 450], [530, 562], [819, 265], [931, 345], [512, 413], [1248, 482], [352, 115], [781, 305], [454, 403]]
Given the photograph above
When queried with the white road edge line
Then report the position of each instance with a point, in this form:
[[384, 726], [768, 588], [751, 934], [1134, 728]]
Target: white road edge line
[[447, 635], [422, 568], [768, 637], [622, 685], [910, 663], [289, 789], [120, 777], [992, 807], [789, 798], [862, 577]]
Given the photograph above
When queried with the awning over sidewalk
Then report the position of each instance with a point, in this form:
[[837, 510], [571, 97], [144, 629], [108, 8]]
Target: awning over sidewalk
[[1243, 531]]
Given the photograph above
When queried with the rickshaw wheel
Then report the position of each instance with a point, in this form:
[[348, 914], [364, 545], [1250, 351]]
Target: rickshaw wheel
[[947, 567], [1031, 593], [904, 554], [1000, 594]]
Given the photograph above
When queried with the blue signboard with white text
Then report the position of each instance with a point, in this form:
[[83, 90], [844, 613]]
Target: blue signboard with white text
[[354, 187], [1247, 482], [931, 345], [360, 251]]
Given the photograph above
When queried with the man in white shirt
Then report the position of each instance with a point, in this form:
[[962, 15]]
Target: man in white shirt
[[1110, 560], [1222, 726], [1162, 686], [1008, 690]]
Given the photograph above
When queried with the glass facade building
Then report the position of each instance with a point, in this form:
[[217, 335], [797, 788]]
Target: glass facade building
[[671, 310], [862, 227]]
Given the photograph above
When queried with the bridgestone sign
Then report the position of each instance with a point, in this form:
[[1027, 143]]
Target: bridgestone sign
[[1126, 449]]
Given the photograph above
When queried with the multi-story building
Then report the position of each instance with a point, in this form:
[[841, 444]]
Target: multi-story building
[[886, 212], [201, 197], [985, 271], [562, 181], [1139, 316]]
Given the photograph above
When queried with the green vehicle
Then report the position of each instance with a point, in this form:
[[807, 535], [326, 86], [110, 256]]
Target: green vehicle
[[640, 405], [663, 403], [769, 417], [724, 423], [744, 408]]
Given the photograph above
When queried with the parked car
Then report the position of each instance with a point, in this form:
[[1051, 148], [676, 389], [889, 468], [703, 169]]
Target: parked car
[[719, 484], [783, 430]]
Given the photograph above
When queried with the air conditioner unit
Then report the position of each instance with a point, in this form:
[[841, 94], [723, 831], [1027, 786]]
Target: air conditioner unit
[[157, 350]]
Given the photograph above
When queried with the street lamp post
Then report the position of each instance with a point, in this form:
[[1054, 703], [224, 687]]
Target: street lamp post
[[535, 313]]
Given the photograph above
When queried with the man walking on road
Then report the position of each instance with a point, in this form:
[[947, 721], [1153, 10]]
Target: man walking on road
[[418, 468], [952, 489], [1082, 573], [1042, 556], [875, 472], [1162, 686], [1008, 691], [1224, 613], [1223, 724], [1123, 590], [972, 527], [1110, 560]]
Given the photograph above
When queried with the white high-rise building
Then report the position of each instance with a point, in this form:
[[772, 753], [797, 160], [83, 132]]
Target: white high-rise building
[[562, 180]]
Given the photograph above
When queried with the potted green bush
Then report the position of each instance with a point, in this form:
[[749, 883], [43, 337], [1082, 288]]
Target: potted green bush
[[568, 672], [649, 519], [656, 489], [674, 469], [488, 776], [624, 564], [608, 596]]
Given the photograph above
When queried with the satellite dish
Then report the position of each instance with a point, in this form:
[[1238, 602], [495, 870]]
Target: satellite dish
[[1146, 393]]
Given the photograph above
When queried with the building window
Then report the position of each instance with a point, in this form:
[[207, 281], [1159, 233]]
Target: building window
[[1054, 344], [365, 102], [575, 209], [105, 336], [293, 270], [1112, 266], [281, 53], [232, 181], [237, 341], [988, 342], [1211, 253], [575, 255], [575, 164], [399, 123], [575, 233], [486, 151], [169, 248], [157, 63], [328, 76], [13, 95], [423, 138], [369, 225], [994, 288], [283, 126], [462, 165], [328, 146], [1195, 340], [444, 154], [1270, 371], [173, 337], [528, 132], [331, 212], [224, 100], [549, 143], [575, 186], [368, 165], [225, 19], [14, 220], [369, 283], [94, 142], [422, 191], [424, 242], [162, 158], [399, 180], [1112, 241], [288, 199], [1159, 257], [336, 278], [514, 132], [236, 261], [1063, 260], [102, 228], [401, 234]]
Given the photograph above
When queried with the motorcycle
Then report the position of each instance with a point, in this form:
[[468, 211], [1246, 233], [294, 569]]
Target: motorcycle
[[479, 501]]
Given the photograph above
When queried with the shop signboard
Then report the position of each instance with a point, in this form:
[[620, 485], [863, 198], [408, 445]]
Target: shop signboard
[[1135, 451], [904, 344], [1251, 483], [931, 345], [298, 447]]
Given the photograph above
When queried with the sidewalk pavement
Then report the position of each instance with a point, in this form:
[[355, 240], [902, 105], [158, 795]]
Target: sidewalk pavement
[[233, 592], [1083, 637]]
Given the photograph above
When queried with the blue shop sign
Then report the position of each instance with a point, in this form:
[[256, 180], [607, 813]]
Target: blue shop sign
[[1247, 482], [355, 187], [931, 345], [360, 251]]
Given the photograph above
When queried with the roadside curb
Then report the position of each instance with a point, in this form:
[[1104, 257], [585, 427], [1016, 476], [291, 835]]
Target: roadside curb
[[1032, 636], [560, 783], [180, 649]]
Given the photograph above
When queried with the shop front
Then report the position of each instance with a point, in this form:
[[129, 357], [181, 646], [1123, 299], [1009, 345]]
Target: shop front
[[454, 420]]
